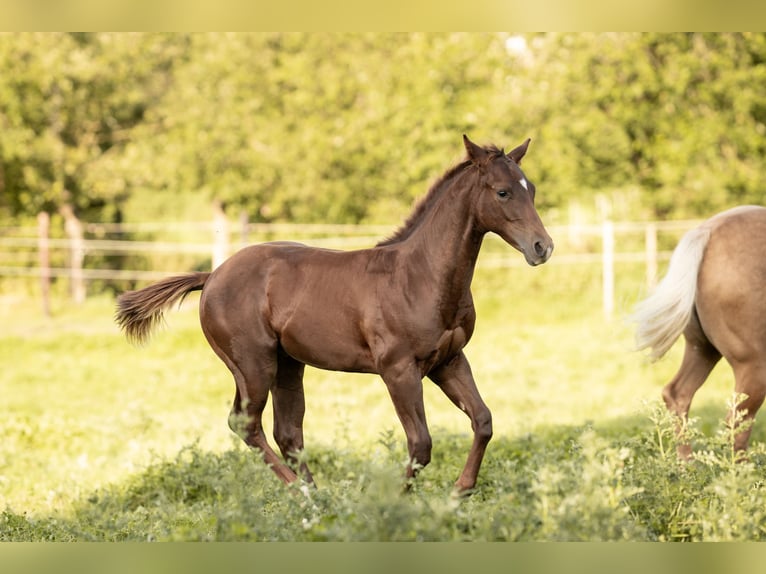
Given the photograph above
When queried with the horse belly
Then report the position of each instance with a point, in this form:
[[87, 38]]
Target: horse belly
[[327, 343]]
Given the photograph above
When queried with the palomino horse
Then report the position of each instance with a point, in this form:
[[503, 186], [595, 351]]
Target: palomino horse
[[402, 309], [712, 293]]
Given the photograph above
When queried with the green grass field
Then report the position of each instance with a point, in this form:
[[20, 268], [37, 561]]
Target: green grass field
[[100, 440]]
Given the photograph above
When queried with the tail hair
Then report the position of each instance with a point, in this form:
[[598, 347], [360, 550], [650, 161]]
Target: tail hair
[[139, 312], [664, 314]]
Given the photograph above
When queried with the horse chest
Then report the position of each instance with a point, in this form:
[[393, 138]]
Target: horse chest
[[441, 348], [452, 341], [434, 347]]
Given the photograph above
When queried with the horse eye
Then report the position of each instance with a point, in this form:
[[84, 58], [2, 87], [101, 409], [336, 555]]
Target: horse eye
[[503, 193]]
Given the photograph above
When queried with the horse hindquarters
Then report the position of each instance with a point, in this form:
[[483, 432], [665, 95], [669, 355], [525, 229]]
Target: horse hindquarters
[[728, 312], [731, 305], [242, 338]]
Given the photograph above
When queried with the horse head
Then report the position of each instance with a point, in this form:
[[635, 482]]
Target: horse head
[[504, 202]]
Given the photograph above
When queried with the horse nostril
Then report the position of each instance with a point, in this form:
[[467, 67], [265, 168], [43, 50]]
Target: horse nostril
[[540, 249]]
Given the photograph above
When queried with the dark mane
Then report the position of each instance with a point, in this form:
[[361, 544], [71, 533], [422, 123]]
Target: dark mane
[[425, 204]]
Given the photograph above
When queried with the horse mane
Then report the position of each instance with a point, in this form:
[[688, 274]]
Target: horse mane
[[424, 205]]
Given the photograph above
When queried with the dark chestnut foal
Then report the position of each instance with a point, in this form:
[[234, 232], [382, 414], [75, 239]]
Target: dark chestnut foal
[[402, 309]]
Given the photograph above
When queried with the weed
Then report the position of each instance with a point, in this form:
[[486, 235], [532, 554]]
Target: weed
[[570, 485], [101, 441]]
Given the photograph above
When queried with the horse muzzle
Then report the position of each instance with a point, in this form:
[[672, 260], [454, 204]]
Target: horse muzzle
[[540, 252]]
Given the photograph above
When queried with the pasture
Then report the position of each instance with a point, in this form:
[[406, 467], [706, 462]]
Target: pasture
[[100, 440]]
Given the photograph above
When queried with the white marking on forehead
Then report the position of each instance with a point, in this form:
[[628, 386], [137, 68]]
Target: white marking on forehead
[[523, 183]]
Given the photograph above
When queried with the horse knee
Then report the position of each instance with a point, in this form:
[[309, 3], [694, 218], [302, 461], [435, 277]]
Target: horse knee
[[482, 426], [748, 407], [675, 403], [668, 397], [752, 384], [289, 440]]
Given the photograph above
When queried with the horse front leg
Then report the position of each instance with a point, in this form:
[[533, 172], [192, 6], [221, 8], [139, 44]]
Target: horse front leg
[[456, 381]]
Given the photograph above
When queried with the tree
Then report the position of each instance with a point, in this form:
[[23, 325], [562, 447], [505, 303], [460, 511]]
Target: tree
[[67, 104], [319, 127], [66, 101], [678, 119], [353, 127]]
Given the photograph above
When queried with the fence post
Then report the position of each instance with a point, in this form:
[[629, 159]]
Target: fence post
[[607, 240], [44, 257], [74, 230], [651, 255], [244, 222], [220, 234]]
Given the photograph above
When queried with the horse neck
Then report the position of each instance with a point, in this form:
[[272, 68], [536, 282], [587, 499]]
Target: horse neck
[[446, 243]]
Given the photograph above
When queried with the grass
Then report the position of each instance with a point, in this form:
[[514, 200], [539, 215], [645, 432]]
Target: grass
[[104, 441]]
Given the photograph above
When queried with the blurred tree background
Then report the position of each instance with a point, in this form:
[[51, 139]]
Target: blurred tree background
[[347, 128]]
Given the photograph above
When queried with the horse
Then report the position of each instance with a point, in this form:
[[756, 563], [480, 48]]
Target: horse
[[712, 293], [402, 309]]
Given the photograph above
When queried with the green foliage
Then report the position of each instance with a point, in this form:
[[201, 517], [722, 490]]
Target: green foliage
[[67, 104], [674, 115], [352, 127], [716, 496], [570, 484], [270, 123], [102, 441]]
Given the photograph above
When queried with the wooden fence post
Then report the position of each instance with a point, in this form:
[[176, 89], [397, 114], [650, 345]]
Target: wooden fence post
[[44, 257]]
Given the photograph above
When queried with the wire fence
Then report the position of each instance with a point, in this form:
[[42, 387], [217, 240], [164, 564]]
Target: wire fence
[[137, 253]]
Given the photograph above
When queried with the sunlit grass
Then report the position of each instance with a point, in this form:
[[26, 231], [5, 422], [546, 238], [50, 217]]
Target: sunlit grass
[[85, 410]]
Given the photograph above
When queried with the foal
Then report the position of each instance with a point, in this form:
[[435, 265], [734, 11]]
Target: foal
[[402, 309]]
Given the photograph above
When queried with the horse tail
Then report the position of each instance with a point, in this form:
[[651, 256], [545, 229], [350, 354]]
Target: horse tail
[[139, 312], [663, 316]]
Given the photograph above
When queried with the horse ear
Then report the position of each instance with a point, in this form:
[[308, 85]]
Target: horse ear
[[517, 153], [476, 154]]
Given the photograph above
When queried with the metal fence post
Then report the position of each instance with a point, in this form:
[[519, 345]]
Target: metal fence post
[[607, 240], [651, 254]]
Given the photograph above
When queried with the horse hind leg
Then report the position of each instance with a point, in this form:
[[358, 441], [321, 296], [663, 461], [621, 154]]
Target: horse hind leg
[[289, 407], [405, 387], [241, 336], [750, 381], [246, 417], [699, 359]]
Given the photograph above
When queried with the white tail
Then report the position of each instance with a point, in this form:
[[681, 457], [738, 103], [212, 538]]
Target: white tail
[[663, 316]]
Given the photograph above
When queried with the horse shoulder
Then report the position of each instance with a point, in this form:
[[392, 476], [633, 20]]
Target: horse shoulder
[[381, 261]]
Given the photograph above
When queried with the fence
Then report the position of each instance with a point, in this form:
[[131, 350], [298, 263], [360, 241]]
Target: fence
[[28, 252]]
